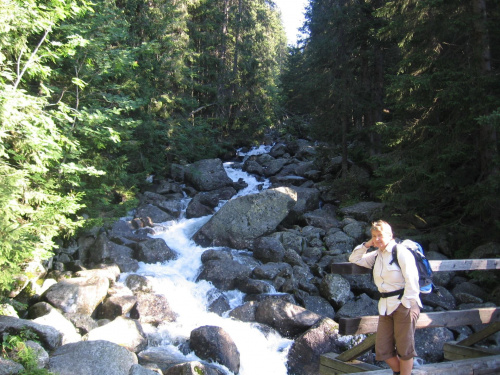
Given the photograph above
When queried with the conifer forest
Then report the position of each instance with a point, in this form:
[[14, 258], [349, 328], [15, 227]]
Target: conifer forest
[[96, 96]]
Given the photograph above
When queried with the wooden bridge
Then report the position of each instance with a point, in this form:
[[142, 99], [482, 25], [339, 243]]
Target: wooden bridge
[[461, 357]]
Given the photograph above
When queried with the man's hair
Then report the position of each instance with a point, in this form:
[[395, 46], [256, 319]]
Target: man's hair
[[382, 227]]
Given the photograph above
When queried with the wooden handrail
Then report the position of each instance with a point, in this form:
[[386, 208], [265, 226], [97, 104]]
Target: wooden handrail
[[451, 318], [347, 268]]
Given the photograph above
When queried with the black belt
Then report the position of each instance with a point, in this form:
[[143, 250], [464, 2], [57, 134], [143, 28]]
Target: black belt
[[398, 292]]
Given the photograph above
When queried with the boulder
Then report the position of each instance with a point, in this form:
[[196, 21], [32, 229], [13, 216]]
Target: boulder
[[152, 308], [223, 274], [50, 337], [194, 368], [429, 343], [92, 357], [212, 343], [122, 331], [115, 306], [43, 313], [156, 214], [304, 355], [78, 295], [9, 367], [335, 289], [360, 306], [364, 211], [139, 283], [106, 251], [243, 219], [154, 250], [288, 319], [207, 175], [268, 249]]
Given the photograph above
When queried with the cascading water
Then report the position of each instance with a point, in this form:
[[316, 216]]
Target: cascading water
[[260, 353]]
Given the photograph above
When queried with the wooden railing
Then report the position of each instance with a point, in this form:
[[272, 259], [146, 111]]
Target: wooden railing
[[346, 363]]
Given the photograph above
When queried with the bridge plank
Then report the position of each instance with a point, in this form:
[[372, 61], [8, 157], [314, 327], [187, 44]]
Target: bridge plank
[[484, 365], [452, 318]]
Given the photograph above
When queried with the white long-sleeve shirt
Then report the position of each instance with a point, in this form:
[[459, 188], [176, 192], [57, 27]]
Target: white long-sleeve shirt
[[389, 277]]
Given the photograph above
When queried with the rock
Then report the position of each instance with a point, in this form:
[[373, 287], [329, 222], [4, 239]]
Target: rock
[[123, 229], [140, 370], [194, 368], [78, 295], [217, 302], [360, 306], [39, 354], [304, 355], [122, 331], [9, 367], [214, 344], [288, 319], [243, 219], [321, 219], [43, 313], [207, 175], [106, 251], [307, 201], [364, 211], [245, 312], [50, 337], [270, 271], [223, 274], [429, 343], [443, 300], [116, 306], [154, 250], [83, 323], [139, 283], [319, 305], [156, 214], [91, 357], [268, 249], [335, 289], [152, 308], [339, 242], [252, 286]]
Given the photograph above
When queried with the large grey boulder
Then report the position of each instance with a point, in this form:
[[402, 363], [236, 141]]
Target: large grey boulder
[[50, 337], [241, 220], [122, 331], [154, 250], [224, 274], [78, 295], [307, 200], [92, 358], [193, 368], [339, 242], [207, 175], [106, 251], [212, 343], [360, 306], [156, 214], [429, 343], [152, 308], [364, 211], [304, 355], [288, 319], [9, 367], [335, 289], [43, 313], [268, 249]]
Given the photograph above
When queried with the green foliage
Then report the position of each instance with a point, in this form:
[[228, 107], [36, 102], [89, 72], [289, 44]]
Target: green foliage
[[14, 347], [409, 84]]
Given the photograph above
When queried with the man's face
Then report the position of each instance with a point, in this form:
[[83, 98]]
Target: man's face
[[381, 239]]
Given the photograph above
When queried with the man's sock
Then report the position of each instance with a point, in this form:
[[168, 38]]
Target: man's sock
[[396, 373]]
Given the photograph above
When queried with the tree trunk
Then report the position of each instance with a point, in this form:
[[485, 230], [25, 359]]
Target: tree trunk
[[487, 132]]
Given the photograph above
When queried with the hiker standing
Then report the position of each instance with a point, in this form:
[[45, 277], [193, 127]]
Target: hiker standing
[[399, 305]]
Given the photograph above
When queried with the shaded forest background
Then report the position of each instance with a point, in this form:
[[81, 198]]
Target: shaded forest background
[[97, 96]]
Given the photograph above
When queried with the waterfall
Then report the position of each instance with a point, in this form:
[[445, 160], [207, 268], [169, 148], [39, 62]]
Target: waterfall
[[260, 352]]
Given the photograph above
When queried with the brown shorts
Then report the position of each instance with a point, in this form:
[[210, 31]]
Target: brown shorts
[[396, 333]]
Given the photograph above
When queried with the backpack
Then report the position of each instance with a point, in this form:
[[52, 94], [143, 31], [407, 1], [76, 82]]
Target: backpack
[[423, 266]]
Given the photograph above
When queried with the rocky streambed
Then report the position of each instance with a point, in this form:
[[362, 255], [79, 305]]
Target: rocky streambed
[[217, 273]]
